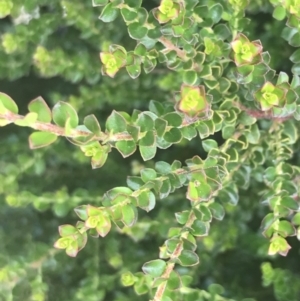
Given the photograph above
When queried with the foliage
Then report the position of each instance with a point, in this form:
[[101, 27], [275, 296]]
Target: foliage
[[201, 71]]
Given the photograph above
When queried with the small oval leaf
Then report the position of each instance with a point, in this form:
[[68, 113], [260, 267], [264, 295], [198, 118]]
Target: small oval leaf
[[154, 268], [41, 139]]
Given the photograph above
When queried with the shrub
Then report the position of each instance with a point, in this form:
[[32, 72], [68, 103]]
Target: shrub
[[202, 72]]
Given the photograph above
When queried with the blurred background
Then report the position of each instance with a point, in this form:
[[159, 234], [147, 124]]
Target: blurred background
[[51, 49]]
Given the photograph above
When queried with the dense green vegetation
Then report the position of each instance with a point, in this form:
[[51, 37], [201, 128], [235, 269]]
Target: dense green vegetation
[[171, 127]]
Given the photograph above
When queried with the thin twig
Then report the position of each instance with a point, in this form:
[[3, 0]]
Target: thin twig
[[59, 131], [170, 266], [169, 45], [261, 114]]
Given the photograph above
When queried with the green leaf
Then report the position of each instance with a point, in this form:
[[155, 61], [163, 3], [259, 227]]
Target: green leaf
[[145, 122], [137, 31], [81, 211], [285, 228], [133, 3], [222, 31], [182, 217], [92, 124], [279, 13], [8, 103], [134, 131], [41, 139], [129, 214], [173, 136], [127, 279], [172, 244], [99, 158], [296, 69], [189, 132], [134, 71], [148, 174], [149, 64], [267, 223], [215, 12], [128, 14], [109, 13], [40, 107], [103, 226], [154, 33], [156, 107], [174, 281], [134, 182], [173, 119], [140, 288], [295, 40], [296, 219], [126, 148], [199, 228], [209, 144], [246, 119], [116, 123], [216, 289], [188, 258], [147, 152], [193, 100], [148, 139], [289, 202], [165, 189], [228, 131], [154, 268], [163, 167], [99, 2], [61, 112], [295, 57], [162, 143], [190, 77], [253, 134], [146, 200], [206, 215], [198, 189], [28, 120], [217, 210], [160, 126], [282, 78], [279, 245], [66, 230], [140, 49], [94, 211]]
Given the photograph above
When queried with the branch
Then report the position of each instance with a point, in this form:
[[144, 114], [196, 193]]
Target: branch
[[169, 45], [261, 114], [170, 266], [59, 131]]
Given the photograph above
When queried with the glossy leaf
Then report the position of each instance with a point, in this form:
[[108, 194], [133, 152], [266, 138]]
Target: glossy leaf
[[200, 228], [41, 139], [109, 13], [154, 268], [147, 152], [126, 148], [148, 174], [116, 123], [8, 103], [279, 245], [40, 107], [137, 31], [67, 230], [217, 210], [92, 124], [188, 258], [61, 112], [129, 215]]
